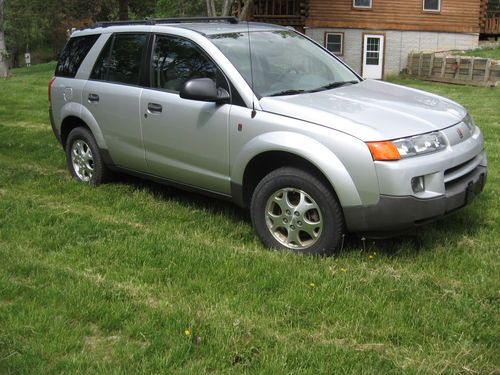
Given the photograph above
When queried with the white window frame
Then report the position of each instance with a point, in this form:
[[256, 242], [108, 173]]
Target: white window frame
[[341, 53], [431, 10], [362, 6]]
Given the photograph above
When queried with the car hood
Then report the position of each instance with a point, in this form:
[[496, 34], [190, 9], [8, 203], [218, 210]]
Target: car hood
[[370, 110]]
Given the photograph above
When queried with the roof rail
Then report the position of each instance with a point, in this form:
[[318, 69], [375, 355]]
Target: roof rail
[[158, 21]]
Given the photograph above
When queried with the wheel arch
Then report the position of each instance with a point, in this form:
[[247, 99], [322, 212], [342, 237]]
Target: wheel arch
[[81, 116], [68, 124], [278, 149]]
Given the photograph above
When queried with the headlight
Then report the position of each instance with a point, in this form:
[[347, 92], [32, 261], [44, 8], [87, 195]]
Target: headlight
[[407, 147], [470, 123], [420, 144]]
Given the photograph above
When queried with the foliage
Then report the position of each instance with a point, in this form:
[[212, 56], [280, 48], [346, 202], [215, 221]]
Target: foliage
[[488, 52], [35, 24], [134, 277]]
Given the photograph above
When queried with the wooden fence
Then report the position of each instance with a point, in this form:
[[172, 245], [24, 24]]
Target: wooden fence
[[454, 69]]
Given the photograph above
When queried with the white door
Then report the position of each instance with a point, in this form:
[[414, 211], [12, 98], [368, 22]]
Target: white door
[[373, 56]]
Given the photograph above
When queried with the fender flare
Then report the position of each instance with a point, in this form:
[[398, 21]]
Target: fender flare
[[79, 111], [307, 148]]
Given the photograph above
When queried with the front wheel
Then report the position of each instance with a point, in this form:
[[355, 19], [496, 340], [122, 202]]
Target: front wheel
[[295, 210]]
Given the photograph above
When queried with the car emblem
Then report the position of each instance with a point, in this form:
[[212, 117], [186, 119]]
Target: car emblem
[[460, 133]]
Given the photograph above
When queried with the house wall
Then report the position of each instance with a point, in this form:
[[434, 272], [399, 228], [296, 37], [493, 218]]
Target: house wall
[[460, 16], [398, 44]]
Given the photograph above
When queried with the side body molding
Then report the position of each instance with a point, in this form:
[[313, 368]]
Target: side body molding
[[307, 148]]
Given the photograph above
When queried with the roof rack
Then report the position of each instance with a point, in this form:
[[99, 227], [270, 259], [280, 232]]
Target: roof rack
[[159, 21]]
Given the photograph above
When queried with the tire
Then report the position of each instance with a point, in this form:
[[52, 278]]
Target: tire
[[84, 159], [295, 210]]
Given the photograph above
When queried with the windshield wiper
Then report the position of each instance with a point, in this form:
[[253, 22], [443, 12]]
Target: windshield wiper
[[334, 85], [288, 92]]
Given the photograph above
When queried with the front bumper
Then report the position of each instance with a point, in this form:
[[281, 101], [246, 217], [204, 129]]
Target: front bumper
[[399, 213]]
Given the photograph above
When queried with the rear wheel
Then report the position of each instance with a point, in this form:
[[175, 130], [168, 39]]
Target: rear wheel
[[84, 159], [295, 210]]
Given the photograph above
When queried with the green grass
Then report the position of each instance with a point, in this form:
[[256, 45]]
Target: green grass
[[489, 52], [107, 280]]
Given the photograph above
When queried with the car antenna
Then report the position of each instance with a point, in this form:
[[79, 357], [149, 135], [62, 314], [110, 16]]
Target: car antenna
[[251, 70]]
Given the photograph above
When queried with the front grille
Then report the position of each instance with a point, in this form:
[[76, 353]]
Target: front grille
[[461, 170]]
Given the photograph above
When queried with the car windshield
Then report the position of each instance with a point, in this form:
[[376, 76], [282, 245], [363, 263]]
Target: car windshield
[[283, 62]]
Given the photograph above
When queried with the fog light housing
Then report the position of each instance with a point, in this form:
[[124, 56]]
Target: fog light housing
[[418, 184]]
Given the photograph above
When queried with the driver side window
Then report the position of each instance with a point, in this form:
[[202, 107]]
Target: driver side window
[[176, 61]]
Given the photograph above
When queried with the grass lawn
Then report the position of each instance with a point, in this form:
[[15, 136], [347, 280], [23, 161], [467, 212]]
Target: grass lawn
[[490, 53], [134, 277]]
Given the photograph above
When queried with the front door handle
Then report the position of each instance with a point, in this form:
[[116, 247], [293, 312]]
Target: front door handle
[[155, 108], [93, 98]]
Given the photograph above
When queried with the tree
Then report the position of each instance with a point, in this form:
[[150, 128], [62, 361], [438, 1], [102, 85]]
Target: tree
[[123, 10], [228, 7], [4, 68]]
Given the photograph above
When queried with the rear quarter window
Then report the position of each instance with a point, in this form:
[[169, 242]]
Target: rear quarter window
[[73, 54]]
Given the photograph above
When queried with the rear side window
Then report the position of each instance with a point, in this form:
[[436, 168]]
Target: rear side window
[[121, 59], [73, 54]]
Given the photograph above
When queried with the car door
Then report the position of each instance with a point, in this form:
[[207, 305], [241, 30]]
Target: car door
[[112, 95], [185, 140]]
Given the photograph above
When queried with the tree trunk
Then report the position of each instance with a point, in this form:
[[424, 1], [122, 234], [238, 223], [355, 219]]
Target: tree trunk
[[246, 11], [123, 10], [214, 10], [209, 9], [226, 9], [4, 68]]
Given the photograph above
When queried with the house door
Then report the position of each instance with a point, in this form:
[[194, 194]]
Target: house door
[[373, 56]]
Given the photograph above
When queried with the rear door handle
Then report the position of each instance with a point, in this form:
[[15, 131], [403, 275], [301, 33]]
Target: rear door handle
[[93, 98], [155, 108]]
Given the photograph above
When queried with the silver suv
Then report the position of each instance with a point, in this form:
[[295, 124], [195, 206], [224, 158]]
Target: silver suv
[[263, 116]]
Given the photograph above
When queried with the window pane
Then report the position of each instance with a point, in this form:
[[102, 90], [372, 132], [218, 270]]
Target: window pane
[[334, 43], [372, 58], [176, 61], [281, 61], [363, 3], [101, 65], [124, 63], [373, 44], [431, 4], [73, 55]]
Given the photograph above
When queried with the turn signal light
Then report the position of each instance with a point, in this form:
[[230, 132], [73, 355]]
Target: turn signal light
[[383, 151]]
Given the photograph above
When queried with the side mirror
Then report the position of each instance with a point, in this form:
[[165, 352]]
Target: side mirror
[[204, 90]]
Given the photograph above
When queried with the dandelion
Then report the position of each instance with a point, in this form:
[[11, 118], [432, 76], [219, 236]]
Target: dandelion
[[343, 269], [187, 332], [312, 285], [370, 256]]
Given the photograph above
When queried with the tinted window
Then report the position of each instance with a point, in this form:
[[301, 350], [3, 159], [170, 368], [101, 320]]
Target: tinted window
[[73, 54], [177, 60], [101, 66], [125, 59], [123, 63]]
